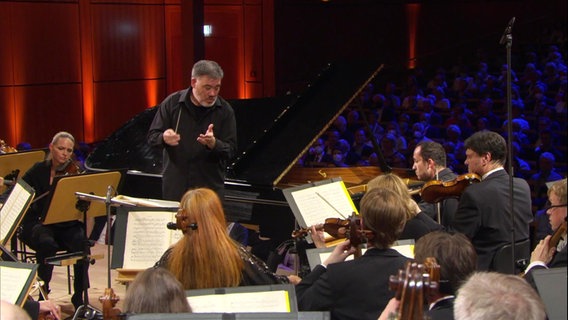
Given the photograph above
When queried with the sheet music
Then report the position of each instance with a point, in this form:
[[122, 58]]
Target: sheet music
[[264, 301], [324, 201], [13, 281], [147, 238], [11, 210]]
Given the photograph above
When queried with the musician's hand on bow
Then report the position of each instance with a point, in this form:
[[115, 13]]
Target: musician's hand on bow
[[318, 237], [171, 138], [207, 139], [391, 308], [48, 306], [543, 252], [340, 253], [294, 279]]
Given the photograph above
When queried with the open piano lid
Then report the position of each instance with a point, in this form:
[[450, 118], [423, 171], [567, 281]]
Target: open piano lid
[[268, 159], [272, 133]]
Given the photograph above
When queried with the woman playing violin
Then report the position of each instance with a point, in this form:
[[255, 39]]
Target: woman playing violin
[[417, 222], [358, 289], [47, 240]]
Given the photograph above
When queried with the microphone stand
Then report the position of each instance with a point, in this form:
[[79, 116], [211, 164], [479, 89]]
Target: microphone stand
[[507, 40]]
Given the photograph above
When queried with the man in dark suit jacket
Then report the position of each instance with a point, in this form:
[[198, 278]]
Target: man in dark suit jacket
[[546, 254], [429, 163], [359, 289], [484, 212]]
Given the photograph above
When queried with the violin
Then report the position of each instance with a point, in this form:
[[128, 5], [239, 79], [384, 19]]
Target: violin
[[413, 286], [350, 228], [68, 168], [435, 191]]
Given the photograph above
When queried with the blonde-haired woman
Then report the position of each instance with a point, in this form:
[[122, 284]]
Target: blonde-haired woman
[[417, 222], [206, 257]]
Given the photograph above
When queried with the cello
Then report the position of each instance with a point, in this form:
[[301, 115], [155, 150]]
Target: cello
[[413, 286]]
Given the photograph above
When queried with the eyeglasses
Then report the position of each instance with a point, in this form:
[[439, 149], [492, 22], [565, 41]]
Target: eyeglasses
[[549, 207]]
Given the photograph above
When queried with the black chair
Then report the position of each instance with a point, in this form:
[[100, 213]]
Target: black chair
[[503, 260]]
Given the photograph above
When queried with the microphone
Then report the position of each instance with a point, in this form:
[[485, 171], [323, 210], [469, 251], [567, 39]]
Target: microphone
[[109, 194], [172, 226], [507, 31]]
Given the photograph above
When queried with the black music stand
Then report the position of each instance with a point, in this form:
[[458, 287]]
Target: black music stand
[[64, 206]]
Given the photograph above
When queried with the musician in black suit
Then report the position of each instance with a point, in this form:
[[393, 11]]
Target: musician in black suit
[[358, 289], [429, 163], [457, 259], [546, 255], [483, 213]]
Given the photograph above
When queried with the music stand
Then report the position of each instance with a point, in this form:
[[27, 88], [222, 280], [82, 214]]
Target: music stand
[[64, 206]]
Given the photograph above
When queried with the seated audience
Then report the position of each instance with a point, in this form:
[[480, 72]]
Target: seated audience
[[206, 257], [492, 295], [155, 290], [417, 222], [358, 288]]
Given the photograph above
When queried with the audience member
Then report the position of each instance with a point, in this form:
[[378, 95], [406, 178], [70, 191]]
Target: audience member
[[206, 257], [417, 222], [392, 156], [537, 181], [484, 213], [155, 290], [354, 289], [430, 164], [492, 295], [316, 156]]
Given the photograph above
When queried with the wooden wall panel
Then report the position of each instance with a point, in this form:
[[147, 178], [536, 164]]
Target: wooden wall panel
[[46, 48], [46, 110], [225, 46], [128, 42], [7, 120], [174, 53], [6, 34], [253, 43], [118, 102]]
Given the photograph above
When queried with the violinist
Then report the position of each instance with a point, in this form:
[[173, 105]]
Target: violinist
[[358, 288], [430, 165], [417, 223], [47, 240], [551, 251], [483, 213]]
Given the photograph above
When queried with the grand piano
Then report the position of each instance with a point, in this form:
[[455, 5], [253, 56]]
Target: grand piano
[[273, 133]]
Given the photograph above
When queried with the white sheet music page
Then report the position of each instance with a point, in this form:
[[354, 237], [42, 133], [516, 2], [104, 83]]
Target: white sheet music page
[[147, 238], [264, 301], [12, 282], [330, 200], [13, 207]]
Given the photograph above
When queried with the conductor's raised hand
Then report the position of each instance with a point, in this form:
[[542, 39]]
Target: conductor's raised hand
[[207, 139], [171, 138]]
